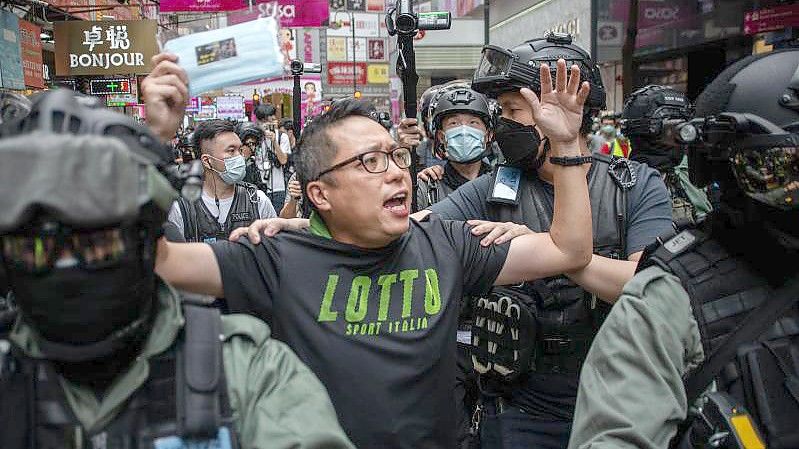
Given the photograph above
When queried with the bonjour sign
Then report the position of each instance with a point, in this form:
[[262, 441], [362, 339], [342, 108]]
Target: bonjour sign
[[109, 47]]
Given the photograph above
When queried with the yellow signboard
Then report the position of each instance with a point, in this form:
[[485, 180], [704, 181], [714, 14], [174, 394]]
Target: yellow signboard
[[377, 74], [336, 49]]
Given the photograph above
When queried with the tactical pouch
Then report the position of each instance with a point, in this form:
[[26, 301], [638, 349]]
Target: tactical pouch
[[503, 336], [769, 372], [200, 366]]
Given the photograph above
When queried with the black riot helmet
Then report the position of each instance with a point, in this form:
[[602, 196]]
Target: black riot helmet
[[502, 70], [646, 109], [84, 198], [453, 100], [748, 139], [248, 130]]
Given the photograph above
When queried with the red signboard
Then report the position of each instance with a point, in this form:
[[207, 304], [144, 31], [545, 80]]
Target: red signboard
[[771, 19], [30, 43], [340, 73], [289, 13], [77, 8]]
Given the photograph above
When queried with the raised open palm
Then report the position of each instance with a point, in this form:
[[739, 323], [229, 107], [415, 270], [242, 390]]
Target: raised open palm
[[559, 112]]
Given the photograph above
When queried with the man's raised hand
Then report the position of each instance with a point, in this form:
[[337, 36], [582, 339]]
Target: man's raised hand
[[559, 111], [165, 92]]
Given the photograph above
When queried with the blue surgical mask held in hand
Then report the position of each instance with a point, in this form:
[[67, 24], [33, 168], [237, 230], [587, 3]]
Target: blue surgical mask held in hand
[[229, 56], [465, 144], [235, 169]]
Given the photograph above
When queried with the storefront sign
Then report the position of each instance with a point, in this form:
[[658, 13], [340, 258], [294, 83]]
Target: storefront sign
[[340, 73], [121, 100], [359, 47], [230, 107], [109, 86], [30, 43], [366, 25], [104, 48], [289, 13], [610, 33], [375, 5], [193, 105], [771, 19], [206, 113], [377, 74], [11, 74], [336, 48]]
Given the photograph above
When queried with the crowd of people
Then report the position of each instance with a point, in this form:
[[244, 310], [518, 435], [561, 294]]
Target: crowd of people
[[515, 268]]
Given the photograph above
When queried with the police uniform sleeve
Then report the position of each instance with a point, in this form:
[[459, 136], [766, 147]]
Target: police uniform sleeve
[[649, 210], [468, 202], [631, 392], [277, 401]]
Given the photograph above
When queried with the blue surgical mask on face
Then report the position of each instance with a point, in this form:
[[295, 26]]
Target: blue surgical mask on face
[[464, 144], [235, 169]]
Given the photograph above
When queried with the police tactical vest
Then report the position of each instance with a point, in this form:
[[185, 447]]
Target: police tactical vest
[[184, 397], [200, 225], [723, 291], [568, 316]]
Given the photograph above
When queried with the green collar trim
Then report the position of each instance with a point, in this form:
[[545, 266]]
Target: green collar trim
[[318, 226]]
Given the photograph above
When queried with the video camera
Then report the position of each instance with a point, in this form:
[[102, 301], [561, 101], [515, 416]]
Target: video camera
[[298, 67], [404, 21]]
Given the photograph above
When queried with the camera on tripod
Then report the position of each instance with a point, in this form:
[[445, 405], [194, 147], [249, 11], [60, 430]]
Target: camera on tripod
[[298, 67]]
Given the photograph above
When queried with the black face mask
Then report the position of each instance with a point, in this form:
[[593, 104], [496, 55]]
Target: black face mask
[[519, 144], [87, 314]]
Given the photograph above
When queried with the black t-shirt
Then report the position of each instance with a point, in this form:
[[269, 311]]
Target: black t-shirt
[[377, 326]]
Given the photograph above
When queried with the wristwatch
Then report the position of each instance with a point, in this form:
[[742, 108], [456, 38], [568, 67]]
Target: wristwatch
[[568, 161]]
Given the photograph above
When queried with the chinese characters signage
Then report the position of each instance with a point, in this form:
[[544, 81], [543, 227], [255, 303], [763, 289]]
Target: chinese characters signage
[[104, 48], [30, 43], [771, 19], [377, 74], [340, 73], [11, 75], [200, 5]]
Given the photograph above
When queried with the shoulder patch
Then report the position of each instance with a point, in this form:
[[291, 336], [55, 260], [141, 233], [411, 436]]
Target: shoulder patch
[[679, 243], [245, 326]]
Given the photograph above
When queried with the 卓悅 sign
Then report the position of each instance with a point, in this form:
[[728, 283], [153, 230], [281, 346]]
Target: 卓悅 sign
[[289, 13], [109, 86], [30, 43], [771, 19], [340, 73], [109, 47]]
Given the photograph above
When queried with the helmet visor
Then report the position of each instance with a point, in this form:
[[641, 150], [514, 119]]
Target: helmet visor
[[770, 176], [494, 62]]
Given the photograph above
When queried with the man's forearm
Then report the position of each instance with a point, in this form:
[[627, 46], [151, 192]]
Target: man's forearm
[[189, 266], [571, 220], [604, 277]]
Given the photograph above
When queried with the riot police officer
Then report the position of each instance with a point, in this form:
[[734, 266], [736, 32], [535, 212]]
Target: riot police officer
[[529, 362], [719, 306], [102, 353], [226, 202], [651, 120], [252, 137], [461, 126]]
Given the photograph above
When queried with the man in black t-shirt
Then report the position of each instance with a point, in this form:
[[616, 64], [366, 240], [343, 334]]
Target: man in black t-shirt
[[369, 298]]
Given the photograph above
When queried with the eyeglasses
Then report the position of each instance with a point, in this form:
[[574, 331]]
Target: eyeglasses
[[52, 245], [376, 161]]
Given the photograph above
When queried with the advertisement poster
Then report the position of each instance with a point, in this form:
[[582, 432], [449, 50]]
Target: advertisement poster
[[366, 25], [230, 107], [289, 13], [376, 49], [356, 5], [337, 49], [375, 5], [340, 73], [288, 44], [771, 19], [30, 43], [311, 98], [11, 74]]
